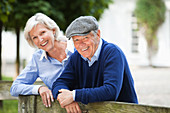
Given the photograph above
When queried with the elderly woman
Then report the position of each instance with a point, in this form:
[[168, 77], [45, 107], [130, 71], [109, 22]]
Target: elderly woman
[[47, 62]]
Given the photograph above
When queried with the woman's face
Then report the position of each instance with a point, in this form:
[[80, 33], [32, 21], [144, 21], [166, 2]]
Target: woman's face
[[42, 37]]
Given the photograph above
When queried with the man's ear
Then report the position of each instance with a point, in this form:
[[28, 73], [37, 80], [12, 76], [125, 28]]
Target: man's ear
[[98, 33]]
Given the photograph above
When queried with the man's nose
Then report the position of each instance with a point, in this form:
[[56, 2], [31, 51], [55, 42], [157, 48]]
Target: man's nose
[[82, 44]]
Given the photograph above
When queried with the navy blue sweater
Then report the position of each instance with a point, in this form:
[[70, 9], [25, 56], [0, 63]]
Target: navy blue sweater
[[108, 79]]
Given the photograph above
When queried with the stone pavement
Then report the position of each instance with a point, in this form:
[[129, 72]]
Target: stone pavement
[[152, 85]]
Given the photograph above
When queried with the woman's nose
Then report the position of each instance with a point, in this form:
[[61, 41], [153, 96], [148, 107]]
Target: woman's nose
[[40, 38]]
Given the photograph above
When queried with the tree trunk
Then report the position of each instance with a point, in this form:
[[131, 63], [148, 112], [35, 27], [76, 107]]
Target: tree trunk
[[1, 24], [150, 56], [150, 51], [17, 63]]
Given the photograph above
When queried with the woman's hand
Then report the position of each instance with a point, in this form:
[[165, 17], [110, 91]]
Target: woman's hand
[[46, 96], [73, 108]]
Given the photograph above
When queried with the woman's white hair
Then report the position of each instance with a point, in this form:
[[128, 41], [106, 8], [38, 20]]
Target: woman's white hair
[[40, 18]]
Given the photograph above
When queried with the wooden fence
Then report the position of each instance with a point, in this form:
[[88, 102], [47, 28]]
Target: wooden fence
[[34, 104]]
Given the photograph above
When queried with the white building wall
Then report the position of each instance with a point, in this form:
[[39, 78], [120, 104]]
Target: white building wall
[[116, 27], [9, 47], [9, 52]]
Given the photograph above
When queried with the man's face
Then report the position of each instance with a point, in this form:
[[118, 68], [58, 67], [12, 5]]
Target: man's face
[[87, 45]]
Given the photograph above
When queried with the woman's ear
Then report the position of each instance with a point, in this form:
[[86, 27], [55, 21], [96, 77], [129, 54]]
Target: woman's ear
[[54, 31]]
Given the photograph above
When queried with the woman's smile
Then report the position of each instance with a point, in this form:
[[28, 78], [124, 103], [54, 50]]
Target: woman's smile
[[44, 44]]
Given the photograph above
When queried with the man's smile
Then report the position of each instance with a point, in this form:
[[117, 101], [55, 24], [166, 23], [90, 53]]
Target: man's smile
[[84, 49]]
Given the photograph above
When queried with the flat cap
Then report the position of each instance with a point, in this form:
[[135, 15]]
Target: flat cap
[[82, 26]]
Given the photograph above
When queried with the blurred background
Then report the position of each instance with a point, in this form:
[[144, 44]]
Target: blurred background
[[141, 28]]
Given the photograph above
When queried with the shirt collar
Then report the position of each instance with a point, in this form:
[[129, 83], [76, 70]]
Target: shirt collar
[[96, 54], [44, 55]]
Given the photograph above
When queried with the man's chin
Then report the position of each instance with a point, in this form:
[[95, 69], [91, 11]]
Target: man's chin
[[84, 56]]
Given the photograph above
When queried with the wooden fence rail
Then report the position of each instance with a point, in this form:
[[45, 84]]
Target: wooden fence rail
[[34, 104], [5, 90]]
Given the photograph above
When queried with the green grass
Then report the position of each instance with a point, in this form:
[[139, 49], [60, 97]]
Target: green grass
[[10, 106], [6, 78]]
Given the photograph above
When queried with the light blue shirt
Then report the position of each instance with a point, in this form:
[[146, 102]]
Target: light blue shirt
[[41, 66], [93, 59]]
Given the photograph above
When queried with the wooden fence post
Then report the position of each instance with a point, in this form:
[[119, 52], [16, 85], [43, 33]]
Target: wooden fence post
[[27, 104], [34, 104]]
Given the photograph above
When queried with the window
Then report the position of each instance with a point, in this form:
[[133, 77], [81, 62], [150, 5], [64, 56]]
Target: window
[[135, 37]]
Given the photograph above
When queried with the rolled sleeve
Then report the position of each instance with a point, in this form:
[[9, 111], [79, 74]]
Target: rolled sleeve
[[35, 89]]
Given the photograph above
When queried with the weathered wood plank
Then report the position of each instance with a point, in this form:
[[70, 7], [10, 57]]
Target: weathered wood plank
[[5, 90], [34, 104], [26, 104]]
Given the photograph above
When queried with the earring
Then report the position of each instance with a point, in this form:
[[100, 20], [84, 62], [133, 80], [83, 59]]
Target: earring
[[54, 35]]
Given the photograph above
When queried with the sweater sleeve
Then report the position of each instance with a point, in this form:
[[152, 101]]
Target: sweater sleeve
[[65, 81], [112, 80]]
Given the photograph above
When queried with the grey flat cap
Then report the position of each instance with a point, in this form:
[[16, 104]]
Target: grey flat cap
[[82, 26]]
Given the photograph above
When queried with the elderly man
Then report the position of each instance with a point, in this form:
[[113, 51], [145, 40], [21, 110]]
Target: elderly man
[[97, 71]]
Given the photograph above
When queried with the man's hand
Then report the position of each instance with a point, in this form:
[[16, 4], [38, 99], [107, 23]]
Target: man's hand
[[46, 96], [65, 97], [73, 108]]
